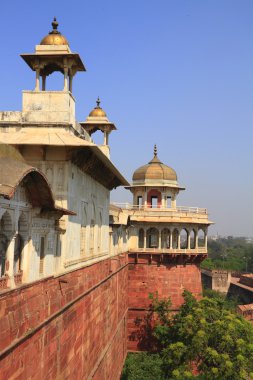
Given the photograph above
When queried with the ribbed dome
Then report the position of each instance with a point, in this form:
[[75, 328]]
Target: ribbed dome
[[155, 170], [54, 37]]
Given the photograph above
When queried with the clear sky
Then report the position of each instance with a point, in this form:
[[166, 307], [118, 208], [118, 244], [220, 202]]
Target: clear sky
[[175, 73]]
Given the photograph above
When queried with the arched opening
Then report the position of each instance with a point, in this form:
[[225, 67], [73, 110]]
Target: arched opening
[[192, 239], [6, 224], [23, 226], [154, 198], [165, 238], [139, 201], [141, 238], [5, 236], [3, 249], [168, 205], [119, 233], [175, 239], [152, 238], [54, 82], [18, 249], [42, 254], [115, 238], [183, 239], [201, 238]]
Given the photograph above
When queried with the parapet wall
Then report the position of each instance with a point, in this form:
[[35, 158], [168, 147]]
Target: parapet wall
[[76, 326], [71, 326], [247, 279], [218, 280]]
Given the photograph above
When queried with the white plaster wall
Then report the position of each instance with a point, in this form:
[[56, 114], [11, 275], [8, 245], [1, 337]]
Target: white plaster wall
[[84, 191], [72, 189], [48, 106]]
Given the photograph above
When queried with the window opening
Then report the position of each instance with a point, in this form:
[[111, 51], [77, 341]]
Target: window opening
[[154, 202], [17, 254], [3, 248], [42, 254], [152, 238], [141, 238], [139, 200]]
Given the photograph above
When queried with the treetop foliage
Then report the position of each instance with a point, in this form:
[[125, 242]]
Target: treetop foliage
[[231, 253], [204, 340]]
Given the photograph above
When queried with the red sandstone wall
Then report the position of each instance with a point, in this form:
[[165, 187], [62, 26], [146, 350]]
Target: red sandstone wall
[[246, 280], [169, 280], [70, 327]]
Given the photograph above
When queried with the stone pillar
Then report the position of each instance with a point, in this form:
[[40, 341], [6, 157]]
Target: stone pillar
[[110, 242], [196, 241], [178, 241], [173, 202], [10, 261], [57, 256], [188, 240], [205, 240], [25, 260], [160, 240], [43, 82], [105, 138], [37, 83], [65, 88], [163, 203], [145, 238], [171, 239], [145, 198], [70, 82]]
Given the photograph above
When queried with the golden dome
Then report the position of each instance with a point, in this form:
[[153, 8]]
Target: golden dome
[[98, 111], [155, 170], [54, 37]]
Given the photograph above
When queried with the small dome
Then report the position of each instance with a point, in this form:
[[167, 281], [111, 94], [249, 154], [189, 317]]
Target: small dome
[[155, 170], [97, 111], [54, 37]]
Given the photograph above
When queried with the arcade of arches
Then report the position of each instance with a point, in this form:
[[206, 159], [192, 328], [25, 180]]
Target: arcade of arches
[[12, 243], [172, 238]]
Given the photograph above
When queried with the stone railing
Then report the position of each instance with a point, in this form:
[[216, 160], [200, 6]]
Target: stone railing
[[4, 282], [178, 209], [200, 250], [18, 277]]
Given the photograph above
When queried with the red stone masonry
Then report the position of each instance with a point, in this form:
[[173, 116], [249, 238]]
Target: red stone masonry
[[169, 280], [76, 326], [67, 327]]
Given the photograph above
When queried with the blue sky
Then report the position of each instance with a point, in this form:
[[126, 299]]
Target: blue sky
[[175, 73]]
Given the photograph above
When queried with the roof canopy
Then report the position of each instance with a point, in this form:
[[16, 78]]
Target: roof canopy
[[54, 54], [13, 172]]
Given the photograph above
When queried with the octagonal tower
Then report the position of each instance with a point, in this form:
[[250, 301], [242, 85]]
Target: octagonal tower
[[166, 244]]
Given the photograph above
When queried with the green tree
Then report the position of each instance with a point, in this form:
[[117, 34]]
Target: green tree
[[142, 366], [231, 253], [209, 338], [205, 340]]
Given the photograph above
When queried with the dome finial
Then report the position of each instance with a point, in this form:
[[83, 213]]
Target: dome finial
[[98, 102], [55, 26], [155, 151]]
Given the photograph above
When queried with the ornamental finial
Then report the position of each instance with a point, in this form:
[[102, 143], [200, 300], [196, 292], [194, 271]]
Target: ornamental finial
[[55, 26], [155, 151], [98, 102]]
